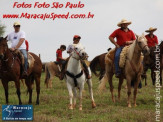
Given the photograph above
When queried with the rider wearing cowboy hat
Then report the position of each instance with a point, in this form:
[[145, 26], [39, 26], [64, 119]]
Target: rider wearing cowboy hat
[[17, 38], [124, 36], [76, 40], [151, 38]]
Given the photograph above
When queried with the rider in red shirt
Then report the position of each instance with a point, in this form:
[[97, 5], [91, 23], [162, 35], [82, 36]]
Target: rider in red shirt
[[59, 57], [124, 36], [151, 38]]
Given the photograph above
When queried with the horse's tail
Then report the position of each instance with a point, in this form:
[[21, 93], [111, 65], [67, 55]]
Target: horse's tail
[[103, 83], [47, 74], [94, 64]]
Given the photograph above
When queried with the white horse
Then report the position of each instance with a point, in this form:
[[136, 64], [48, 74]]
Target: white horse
[[75, 77]]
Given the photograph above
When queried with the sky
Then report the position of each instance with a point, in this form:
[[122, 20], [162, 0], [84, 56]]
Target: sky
[[46, 36]]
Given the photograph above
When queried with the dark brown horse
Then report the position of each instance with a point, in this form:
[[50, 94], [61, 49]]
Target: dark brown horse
[[11, 70], [98, 63], [149, 63]]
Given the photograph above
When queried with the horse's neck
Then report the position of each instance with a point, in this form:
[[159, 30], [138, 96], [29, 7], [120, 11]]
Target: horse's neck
[[136, 55], [74, 66], [8, 57]]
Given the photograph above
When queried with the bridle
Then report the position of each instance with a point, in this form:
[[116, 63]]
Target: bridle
[[78, 53], [6, 60], [142, 48]]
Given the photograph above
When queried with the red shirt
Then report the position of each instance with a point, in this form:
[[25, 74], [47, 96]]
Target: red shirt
[[59, 54], [151, 41], [123, 36], [27, 45]]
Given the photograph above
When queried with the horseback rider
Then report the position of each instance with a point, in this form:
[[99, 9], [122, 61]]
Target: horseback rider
[[76, 40], [151, 38], [17, 39], [124, 36], [59, 51]]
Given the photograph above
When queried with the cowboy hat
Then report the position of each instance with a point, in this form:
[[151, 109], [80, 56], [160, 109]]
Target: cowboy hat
[[16, 23], [123, 21], [151, 29]]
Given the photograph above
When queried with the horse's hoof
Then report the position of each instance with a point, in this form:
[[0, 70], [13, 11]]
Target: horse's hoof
[[74, 105], [80, 108], [129, 105], [93, 105], [37, 103], [29, 102], [71, 107], [135, 105], [113, 101]]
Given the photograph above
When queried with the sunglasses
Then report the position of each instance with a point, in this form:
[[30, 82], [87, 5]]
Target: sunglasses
[[17, 26]]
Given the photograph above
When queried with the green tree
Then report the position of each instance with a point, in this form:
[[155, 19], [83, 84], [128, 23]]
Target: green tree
[[2, 29]]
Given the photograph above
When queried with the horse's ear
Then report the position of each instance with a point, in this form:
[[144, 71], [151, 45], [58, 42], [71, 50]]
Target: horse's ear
[[6, 37], [143, 35]]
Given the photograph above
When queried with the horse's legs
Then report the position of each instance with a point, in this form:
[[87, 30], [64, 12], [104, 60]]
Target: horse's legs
[[110, 76], [89, 82], [75, 96], [152, 76], [17, 84], [80, 96], [136, 88], [119, 88], [161, 76], [29, 83], [69, 87], [145, 80], [50, 80], [37, 80], [129, 91], [5, 86]]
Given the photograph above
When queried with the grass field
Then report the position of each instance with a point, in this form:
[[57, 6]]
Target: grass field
[[54, 104]]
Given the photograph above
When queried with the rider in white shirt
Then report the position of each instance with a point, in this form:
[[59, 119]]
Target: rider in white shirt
[[76, 40], [17, 39]]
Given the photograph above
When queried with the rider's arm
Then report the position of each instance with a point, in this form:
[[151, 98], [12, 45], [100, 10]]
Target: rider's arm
[[113, 41], [20, 43], [112, 36]]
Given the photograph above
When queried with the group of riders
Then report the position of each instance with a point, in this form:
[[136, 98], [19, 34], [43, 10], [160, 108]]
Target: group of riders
[[124, 36]]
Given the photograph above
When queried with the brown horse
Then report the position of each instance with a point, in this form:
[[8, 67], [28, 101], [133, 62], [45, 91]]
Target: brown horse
[[51, 70], [132, 69], [98, 63], [149, 63], [11, 70]]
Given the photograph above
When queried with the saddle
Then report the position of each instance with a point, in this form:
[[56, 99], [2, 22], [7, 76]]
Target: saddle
[[31, 60], [111, 55]]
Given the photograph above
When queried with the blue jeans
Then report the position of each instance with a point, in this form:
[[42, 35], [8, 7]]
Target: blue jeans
[[116, 60], [24, 52]]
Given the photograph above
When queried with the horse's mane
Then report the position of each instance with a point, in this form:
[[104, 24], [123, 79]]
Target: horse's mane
[[131, 50]]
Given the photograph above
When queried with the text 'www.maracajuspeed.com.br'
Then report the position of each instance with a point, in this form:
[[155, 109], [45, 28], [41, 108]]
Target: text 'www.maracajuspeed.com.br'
[[52, 16]]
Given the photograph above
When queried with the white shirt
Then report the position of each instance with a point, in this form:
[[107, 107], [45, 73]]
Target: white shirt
[[70, 47], [15, 38]]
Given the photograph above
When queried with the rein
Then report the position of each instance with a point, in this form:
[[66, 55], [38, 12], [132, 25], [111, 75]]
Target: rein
[[74, 76]]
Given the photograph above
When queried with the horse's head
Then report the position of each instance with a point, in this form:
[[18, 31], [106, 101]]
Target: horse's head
[[79, 52], [141, 42], [3, 47]]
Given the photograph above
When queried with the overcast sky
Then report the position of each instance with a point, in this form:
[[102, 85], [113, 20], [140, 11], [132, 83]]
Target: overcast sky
[[45, 36]]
